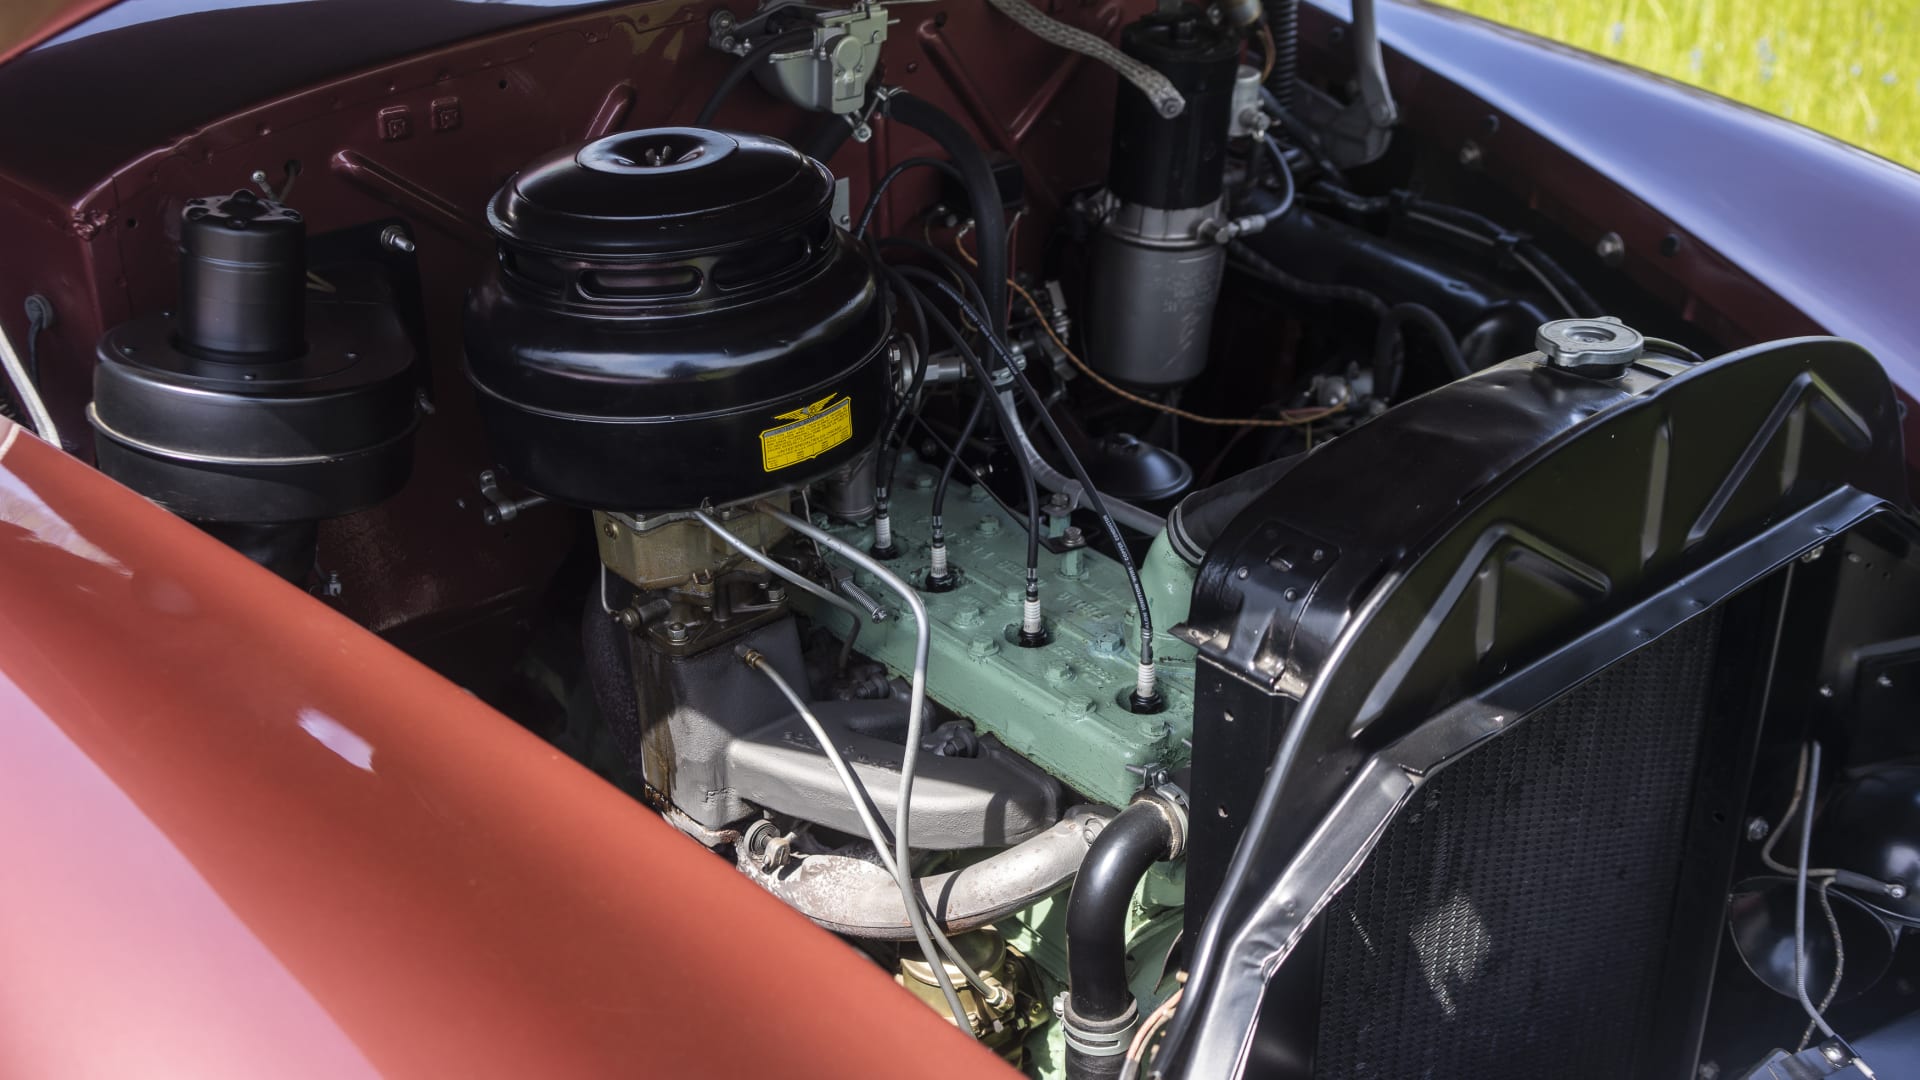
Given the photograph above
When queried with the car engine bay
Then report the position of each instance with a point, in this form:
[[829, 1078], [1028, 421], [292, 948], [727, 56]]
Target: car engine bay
[[957, 539]]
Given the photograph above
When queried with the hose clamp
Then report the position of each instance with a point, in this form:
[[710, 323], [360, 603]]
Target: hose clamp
[[1171, 800], [1103, 1038]]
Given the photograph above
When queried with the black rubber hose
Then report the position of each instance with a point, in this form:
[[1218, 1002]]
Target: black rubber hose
[[1098, 1000], [1121, 855], [1252, 262], [983, 194], [744, 68], [1437, 330]]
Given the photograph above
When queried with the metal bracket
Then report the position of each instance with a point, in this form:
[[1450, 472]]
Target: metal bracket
[[830, 73], [1356, 133], [503, 507]]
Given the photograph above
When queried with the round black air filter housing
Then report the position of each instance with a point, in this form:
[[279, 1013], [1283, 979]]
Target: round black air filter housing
[[675, 318], [260, 401]]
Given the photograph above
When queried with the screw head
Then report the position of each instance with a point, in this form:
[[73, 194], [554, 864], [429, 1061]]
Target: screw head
[[1757, 829]]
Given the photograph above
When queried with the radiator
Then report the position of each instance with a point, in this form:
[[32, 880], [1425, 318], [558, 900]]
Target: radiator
[[1512, 920]]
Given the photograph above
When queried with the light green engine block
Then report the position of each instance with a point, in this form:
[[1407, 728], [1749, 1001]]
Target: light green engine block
[[1061, 705]]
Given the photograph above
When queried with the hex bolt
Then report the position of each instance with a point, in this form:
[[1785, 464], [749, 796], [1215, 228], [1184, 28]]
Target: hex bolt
[[1611, 249], [677, 633], [395, 238], [1757, 829], [776, 593]]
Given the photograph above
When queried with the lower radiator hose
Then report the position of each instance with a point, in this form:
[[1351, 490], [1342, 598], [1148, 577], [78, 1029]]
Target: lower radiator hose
[[1101, 1013]]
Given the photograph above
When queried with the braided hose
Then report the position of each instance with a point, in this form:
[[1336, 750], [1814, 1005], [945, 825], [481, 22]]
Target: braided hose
[[1158, 88]]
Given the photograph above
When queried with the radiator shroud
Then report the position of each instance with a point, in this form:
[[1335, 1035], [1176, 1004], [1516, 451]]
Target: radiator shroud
[[1469, 758]]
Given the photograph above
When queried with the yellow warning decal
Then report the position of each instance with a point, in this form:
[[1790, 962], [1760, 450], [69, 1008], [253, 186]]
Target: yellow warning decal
[[812, 431]]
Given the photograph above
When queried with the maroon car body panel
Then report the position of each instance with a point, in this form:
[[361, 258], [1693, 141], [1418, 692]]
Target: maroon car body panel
[[243, 837]]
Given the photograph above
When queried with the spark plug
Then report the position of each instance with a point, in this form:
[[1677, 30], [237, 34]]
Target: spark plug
[[1033, 625], [939, 574], [882, 527]]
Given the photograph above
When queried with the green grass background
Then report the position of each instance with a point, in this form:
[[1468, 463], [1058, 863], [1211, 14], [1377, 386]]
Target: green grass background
[[1850, 68]]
